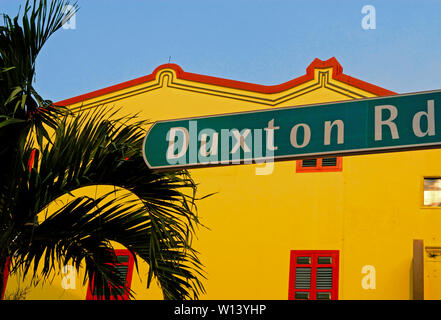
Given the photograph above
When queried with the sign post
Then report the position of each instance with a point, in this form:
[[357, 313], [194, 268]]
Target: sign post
[[372, 125]]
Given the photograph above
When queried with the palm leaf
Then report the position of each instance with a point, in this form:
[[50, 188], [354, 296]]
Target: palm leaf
[[47, 152], [158, 226], [19, 48], [81, 232]]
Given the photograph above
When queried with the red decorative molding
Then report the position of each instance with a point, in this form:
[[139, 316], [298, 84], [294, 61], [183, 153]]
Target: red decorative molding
[[340, 76], [181, 74]]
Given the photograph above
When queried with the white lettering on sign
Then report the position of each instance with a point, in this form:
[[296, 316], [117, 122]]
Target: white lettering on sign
[[306, 135], [270, 135], [181, 143], [258, 145], [340, 131], [214, 138], [430, 120], [379, 122], [240, 140]]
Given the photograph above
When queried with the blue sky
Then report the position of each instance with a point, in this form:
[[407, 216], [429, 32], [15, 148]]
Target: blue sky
[[258, 41]]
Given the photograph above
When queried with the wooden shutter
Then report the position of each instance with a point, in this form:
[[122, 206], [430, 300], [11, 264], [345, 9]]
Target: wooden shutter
[[323, 278], [308, 163], [303, 278], [314, 275], [329, 164]]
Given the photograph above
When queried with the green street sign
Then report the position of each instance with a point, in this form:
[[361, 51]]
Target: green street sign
[[373, 125]]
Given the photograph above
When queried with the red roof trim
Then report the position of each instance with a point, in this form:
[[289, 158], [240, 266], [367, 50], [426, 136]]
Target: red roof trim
[[181, 74]]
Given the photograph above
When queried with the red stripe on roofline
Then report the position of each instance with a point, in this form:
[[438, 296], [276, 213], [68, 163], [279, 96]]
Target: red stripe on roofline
[[181, 74]]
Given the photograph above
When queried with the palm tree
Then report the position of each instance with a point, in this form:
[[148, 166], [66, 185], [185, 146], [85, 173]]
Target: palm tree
[[47, 152]]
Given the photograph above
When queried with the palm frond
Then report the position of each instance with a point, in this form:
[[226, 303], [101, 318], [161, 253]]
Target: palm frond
[[47, 153], [20, 45], [21, 108], [88, 150], [82, 232]]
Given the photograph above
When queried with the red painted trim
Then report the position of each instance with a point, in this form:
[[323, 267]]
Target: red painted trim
[[130, 264], [31, 160], [5, 277], [319, 168], [340, 76], [314, 254], [181, 74]]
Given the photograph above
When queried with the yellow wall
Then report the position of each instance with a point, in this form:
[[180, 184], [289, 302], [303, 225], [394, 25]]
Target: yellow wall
[[370, 212]]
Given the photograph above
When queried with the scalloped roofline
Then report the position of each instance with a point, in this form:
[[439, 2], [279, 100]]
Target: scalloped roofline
[[181, 74]]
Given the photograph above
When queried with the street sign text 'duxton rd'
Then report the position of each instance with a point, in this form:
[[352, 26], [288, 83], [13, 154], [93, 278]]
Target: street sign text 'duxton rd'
[[393, 123]]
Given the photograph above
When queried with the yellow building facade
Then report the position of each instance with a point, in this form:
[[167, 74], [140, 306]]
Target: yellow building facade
[[355, 227]]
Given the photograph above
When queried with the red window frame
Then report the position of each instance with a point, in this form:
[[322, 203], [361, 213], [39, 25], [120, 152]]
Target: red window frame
[[314, 254], [319, 167], [129, 264], [5, 277]]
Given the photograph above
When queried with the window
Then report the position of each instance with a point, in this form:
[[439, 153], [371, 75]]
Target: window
[[313, 275], [432, 192], [125, 268], [320, 165]]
